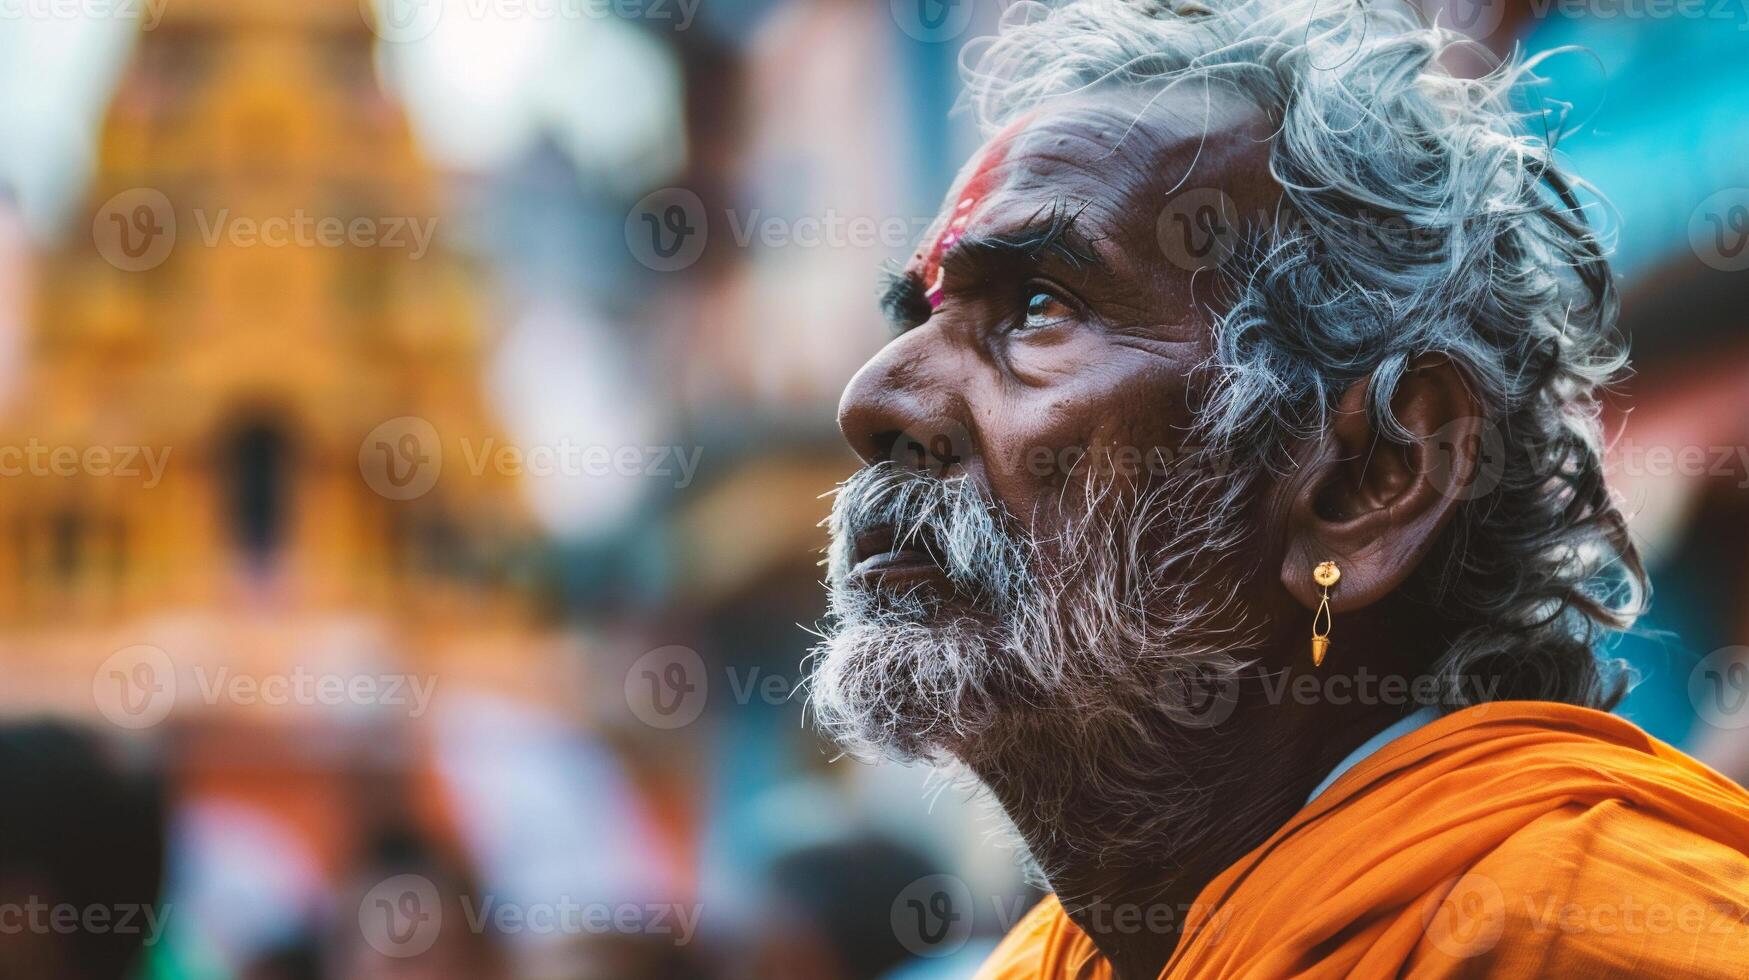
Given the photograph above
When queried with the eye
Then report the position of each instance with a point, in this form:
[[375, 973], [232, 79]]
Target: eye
[[1045, 308]]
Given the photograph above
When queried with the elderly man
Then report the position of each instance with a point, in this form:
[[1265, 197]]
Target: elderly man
[[1234, 514]]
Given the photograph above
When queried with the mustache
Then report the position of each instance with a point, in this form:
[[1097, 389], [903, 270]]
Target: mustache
[[976, 541], [1115, 616]]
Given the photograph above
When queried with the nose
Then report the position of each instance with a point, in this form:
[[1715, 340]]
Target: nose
[[896, 411]]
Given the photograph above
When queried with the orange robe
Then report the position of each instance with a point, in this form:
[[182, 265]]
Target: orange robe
[[1515, 839]]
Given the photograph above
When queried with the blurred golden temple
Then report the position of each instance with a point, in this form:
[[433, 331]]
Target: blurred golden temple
[[249, 418]]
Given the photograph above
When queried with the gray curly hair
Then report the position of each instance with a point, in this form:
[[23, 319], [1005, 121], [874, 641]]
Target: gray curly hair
[[1495, 267]]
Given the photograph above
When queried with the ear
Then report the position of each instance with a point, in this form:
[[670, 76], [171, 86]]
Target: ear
[[1375, 506]]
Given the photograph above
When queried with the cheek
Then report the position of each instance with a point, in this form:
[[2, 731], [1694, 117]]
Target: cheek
[[1113, 415]]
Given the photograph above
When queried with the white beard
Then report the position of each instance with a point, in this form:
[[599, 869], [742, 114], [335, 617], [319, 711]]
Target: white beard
[[1066, 673], [1109, 617]]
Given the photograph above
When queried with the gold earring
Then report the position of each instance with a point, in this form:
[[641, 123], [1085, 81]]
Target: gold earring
[[1326, 575]]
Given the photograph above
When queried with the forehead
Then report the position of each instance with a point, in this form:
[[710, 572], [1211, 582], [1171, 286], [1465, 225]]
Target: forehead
[[1115, 156]]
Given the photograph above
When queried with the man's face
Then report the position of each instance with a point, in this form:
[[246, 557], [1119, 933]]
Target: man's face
[[1038, 397], [1057, 325]]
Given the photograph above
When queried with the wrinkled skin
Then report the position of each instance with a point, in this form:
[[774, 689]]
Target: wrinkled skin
[[1113, 367], [1027, 354]]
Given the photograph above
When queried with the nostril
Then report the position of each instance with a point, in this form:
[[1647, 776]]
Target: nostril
[[884, 447], [940, 448], [888, 419]]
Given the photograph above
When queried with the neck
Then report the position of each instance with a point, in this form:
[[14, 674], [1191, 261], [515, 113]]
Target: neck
[[1134, 823]]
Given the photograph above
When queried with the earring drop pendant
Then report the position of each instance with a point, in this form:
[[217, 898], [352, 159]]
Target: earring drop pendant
[[1325, 574]]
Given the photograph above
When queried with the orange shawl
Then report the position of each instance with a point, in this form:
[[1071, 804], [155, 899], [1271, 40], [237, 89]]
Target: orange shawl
[[1515, 839]]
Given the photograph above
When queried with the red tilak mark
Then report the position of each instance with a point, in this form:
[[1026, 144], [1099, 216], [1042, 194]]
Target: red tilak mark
[[976, 186]]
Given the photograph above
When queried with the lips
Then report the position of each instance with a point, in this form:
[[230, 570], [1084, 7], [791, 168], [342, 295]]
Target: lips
[[878, 558]]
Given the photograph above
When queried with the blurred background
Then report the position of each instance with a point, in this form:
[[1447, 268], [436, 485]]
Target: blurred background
[[414, 419]]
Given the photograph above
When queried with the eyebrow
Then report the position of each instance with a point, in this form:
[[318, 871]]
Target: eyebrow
[[903, 302], [1051, 231]]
